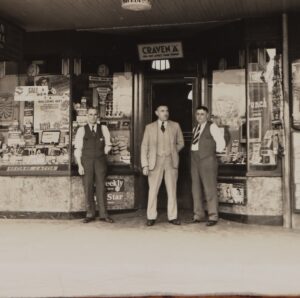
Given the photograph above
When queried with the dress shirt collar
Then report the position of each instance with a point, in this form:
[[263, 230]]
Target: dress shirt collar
[[202, 125], [93, 125], [160, 123]]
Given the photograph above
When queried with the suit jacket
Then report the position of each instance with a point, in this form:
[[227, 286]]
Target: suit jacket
[[149, 144]]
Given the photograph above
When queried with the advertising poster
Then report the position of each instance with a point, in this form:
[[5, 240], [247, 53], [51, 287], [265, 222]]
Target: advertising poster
[[8, 108], [52, 113], [120, 192], [296, 169], [58, 85], [231, 193], [229, 97], [168, 50], [258, 95], [122, 94], [296, 92]]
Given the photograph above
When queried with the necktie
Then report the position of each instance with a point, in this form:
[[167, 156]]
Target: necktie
[[163, 127], [93, 130], [196, 135]]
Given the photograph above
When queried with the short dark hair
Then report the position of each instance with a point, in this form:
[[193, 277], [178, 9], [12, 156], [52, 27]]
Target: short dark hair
[[161, 105], [204, 108], [92, 108]]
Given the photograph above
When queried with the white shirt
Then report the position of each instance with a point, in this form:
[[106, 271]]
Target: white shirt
[[78, 143], [217, 135], [160, 123]]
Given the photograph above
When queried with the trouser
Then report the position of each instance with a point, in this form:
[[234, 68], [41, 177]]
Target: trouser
[[163, 169], [204, 184], [94, 173]]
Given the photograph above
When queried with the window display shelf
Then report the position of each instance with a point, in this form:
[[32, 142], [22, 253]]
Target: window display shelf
[[34, 137], [247, 104]]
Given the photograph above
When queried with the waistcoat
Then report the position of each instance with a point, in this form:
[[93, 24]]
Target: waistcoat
[[93, 144]]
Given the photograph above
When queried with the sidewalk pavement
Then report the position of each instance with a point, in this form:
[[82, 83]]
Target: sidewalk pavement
[[66, 258]]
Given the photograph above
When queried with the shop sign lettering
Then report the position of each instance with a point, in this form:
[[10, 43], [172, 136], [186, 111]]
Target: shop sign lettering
[[258, 104], [31, 168], [115, 196], [114, 185], [168, 50], [31, 93]]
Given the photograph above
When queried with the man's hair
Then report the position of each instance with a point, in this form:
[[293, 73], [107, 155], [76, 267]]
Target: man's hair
[[161, 105], [92, 108], [204, 108]]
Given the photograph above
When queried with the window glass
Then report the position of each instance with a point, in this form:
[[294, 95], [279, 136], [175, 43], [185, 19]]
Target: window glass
[[34, 124], [112, 95], [265, 110], [229, 113]]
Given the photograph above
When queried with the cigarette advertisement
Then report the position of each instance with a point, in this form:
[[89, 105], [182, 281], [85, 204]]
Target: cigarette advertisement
[[232, 193], [52, 113]]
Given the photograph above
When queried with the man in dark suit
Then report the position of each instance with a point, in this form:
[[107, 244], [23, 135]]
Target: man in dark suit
[[92, 144], [207, 140], [162, 141]]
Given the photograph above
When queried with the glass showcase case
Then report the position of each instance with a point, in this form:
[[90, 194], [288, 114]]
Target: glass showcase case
[[247, 104], [34, 125]]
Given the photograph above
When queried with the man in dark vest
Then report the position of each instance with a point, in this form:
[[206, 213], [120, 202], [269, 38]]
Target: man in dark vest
[[207, 140], [92, 144]]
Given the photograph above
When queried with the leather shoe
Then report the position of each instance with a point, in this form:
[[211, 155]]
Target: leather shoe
[[88, 219], [150, 222], [175, 222], [195, 221], [107, 219], [211, 223]]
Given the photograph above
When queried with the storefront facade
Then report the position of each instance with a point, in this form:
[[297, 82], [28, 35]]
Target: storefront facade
[[237, 69]]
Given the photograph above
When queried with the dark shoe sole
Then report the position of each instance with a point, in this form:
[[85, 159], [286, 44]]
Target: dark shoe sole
[[175, 222], [87, 219], [195, 221], [211, 223], [150, 223]]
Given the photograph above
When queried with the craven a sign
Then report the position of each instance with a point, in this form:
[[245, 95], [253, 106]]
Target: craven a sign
[[168, 50]]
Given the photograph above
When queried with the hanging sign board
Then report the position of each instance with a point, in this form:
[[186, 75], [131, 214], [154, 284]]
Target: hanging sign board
[[168, 50], [31, 93]]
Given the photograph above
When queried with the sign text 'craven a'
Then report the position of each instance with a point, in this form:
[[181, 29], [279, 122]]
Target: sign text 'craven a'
[[168, 50]]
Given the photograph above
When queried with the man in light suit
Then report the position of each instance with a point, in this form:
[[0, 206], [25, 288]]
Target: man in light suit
[[162, 141]]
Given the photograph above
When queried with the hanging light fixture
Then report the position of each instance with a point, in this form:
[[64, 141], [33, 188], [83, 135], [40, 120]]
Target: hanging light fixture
[[136, 5], [160, 65]]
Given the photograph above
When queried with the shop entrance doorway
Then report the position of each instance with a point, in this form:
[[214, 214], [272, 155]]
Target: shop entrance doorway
[[178, 95]]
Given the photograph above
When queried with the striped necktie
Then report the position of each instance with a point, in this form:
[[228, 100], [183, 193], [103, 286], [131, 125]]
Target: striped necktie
[[197, 134]]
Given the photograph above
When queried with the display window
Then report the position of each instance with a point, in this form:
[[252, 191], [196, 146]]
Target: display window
[[112, 95], [265, 110], [229, 113], [247, 104], [296, 93], [295, 66], [34, 124]]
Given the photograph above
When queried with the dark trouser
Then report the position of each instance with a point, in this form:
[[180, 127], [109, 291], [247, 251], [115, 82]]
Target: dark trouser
[[95, 172], [204, 181]]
